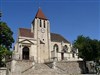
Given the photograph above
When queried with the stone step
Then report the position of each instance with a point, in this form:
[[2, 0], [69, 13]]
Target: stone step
[[41, 66]]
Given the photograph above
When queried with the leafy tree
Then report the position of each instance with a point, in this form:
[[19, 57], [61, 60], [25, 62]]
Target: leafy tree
[[6, 38], [88, 49], [6, 41], [3, 52], [98, 58], [96, 49]]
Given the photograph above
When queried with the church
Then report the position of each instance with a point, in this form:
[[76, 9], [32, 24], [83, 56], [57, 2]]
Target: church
[[38, 44]]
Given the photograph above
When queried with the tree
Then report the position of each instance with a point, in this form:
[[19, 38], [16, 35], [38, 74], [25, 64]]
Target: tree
[[6, 38], [96, 49], [88, 49], [6, 41], [3, 52]]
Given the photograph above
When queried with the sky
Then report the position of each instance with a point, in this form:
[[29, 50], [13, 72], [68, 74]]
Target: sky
[[70, 18]]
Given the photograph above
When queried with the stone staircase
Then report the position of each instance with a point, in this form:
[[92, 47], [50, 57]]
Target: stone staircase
[[62, 68], [41, 68]]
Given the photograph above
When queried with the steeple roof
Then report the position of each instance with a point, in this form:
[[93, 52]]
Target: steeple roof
[[40, 14]]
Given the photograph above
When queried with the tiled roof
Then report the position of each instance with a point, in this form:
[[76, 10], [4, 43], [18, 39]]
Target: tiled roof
[[54, 37], [40, 15], [58, 38], [25, 32]]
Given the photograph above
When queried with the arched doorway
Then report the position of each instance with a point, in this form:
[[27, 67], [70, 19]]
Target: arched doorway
[[25, 53]]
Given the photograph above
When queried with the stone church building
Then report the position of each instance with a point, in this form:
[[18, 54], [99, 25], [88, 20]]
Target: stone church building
[[38, 44]]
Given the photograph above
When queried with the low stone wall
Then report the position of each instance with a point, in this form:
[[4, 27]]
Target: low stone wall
[[70, 67], [3, 71]]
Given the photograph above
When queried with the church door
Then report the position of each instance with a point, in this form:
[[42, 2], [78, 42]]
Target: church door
[[25, 53], [62, 56]]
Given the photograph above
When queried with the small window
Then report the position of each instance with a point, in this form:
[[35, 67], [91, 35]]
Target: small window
[[44, 23], [40, 24]]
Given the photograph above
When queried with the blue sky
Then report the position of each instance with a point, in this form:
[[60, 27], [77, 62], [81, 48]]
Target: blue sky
[[69, 18]]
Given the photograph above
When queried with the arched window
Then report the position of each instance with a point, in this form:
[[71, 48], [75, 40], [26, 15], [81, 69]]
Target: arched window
[[55, 47], [65, 48]]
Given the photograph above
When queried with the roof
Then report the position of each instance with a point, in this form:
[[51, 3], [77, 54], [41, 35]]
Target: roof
[[54, 37], [40, 14], [58, 38], [25, 32]]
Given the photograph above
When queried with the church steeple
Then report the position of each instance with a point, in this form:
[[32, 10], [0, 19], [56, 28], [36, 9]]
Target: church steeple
[[40, 14]]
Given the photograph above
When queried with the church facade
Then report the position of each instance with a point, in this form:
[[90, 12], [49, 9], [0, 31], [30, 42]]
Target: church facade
[[38, 44]]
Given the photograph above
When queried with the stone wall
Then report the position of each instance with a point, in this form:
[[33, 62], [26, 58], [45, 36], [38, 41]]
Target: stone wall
[[70, 67], [3, 71], [91, 66]]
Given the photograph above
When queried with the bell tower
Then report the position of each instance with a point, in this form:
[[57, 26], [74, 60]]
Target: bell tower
[[41, 29]]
